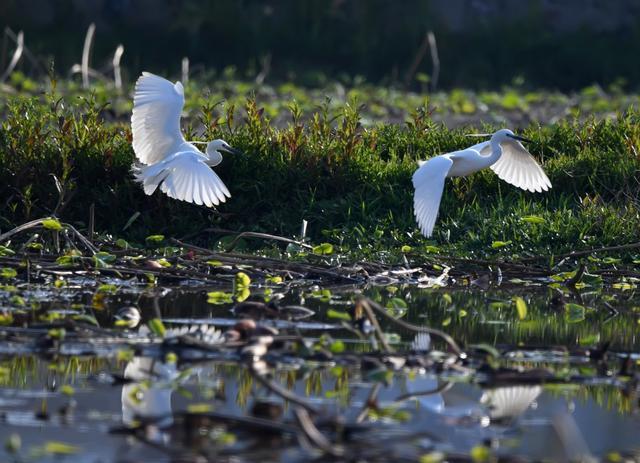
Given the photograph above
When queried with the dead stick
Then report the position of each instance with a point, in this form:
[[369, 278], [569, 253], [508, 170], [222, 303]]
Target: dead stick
[[282, 392], [411, 327], [365, 304], [313, 434]]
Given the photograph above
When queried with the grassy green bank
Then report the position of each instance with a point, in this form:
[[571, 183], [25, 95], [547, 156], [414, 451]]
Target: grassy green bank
[[352, 184]]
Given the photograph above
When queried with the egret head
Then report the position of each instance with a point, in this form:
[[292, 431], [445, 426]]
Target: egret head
[[220, 146], [506, 134]]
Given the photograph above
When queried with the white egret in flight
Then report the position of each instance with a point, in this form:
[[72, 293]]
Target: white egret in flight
[[169, 161], [503, 153]]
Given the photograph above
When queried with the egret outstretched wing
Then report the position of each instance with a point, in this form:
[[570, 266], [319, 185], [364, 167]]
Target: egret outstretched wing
[[509, 402], [155, 123], [191, 180], [517, 167], [428, 182]]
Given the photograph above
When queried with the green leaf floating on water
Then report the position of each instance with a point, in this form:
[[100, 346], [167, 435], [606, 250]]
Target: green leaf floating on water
[[521, 307], [242, 280], [337, 347], [52, 224], [8, 272], [60, 448], [340, 315], [587, 279], [219, 297], [323, 249], [500, 244], [157, 327]]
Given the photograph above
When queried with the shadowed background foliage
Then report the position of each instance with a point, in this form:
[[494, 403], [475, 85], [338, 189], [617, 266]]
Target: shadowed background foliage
[[482, 43]]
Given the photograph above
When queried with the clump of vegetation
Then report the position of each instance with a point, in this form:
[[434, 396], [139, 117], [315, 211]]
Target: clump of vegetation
[[62, 157]]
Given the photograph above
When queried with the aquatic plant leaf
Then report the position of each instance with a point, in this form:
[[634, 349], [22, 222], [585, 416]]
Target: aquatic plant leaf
[[574, 313], [480, 454], [219, 297], [157, 327], [122, 243], [86, 318], [337, 347], [17, 300], [52, 224], [521, 307], [275, 279], [199, 408], [323, 249], [57, 333], [242, 293], [60, 448], [5, 251], [154, 239], [432, 457], [8, 272], [339, 314], [6, 319], [406, 249], [107, 288], [242, 280]]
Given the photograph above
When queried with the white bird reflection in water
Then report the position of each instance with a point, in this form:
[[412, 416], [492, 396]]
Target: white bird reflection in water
[[508, 403], [148, 396], [497, 405]]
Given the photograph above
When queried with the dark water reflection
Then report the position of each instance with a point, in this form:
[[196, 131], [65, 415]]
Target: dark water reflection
[[550, 422]]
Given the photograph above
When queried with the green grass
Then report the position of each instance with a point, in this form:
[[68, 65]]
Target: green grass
[[352, 183]]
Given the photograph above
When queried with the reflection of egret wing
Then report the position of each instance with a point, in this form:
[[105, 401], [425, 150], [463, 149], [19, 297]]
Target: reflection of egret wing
[[186, 177], [153, 401], [428, 182], [517, 167], [149, 396], [155, 122], [509, 402], [205, 333], [421, 341]]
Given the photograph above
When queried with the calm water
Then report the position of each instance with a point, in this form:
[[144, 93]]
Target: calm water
[[555, 421]]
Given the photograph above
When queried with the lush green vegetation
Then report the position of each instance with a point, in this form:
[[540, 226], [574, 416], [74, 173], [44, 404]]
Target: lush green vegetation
[[351, 182]]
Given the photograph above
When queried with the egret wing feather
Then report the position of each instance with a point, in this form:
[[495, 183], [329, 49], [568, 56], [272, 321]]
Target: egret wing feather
[[191, 180], [428, 182], [517, 167], [155, 122], [510, 402]]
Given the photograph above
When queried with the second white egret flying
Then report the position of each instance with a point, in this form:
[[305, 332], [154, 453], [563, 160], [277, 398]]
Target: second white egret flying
[[169, 161], [503, 153]]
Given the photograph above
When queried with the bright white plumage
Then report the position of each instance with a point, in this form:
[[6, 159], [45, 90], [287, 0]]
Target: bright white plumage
[[167, 160], [504, 154]]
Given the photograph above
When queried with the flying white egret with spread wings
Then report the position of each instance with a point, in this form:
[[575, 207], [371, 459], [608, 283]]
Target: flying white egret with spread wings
[[169, 161], [503, 153]]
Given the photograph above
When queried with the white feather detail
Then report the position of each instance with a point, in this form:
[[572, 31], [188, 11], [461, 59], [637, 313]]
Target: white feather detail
[[155, 121]]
